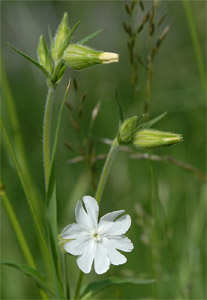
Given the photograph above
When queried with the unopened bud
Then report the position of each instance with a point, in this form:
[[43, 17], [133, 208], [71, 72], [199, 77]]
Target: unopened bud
[[80, 57], [44, 56], [60, 37], [152, 139], [127, 130]]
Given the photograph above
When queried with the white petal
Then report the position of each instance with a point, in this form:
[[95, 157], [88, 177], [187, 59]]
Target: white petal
[[73, 231], [101, 260], [115, 257], [118, 227], [82, 217], [92, 208], [122, 243], [76, 247], [85, 260], [111, 216]]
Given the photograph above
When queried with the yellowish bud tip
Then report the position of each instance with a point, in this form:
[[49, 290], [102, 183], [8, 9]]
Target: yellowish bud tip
[[108, 57]]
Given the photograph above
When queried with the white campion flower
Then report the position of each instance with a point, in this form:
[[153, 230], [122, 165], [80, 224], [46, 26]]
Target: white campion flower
[[98, 242]]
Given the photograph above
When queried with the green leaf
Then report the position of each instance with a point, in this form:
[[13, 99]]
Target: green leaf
[[149, 123], [97, 286], [16, 226], [89, 37], [32, 201], [30, 59], [37, 276]]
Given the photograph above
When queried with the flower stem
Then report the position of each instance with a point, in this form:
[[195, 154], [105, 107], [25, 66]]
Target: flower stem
[[77, 292], [99, 192], [46, 133], [106, 170]]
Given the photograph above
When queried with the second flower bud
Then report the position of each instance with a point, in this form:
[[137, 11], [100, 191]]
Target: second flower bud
[[80, 57]]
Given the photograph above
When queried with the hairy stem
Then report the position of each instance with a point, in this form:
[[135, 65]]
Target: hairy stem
[[99, 192], [106, 170], [46, 134]]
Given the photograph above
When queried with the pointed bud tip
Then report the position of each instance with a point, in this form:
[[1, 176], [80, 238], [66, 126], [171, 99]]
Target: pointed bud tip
[[108, 57]]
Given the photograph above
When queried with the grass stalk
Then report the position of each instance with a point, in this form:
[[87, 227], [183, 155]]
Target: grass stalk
[[19, 234], [196, 44], [30, 198]]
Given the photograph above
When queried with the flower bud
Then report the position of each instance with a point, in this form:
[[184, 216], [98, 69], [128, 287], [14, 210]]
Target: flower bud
[[60, 37], [80, 57], [127, 130], [152, 139], [44, 56]]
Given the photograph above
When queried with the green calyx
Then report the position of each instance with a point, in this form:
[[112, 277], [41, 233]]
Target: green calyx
[[153, 139], [127, 130], [80, 57], [61, 35], [44, 56]]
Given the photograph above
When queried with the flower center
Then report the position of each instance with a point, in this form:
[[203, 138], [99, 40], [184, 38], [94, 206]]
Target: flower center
[[97, 237]]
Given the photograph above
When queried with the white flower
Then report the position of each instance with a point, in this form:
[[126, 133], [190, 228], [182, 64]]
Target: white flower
[[98, 242]]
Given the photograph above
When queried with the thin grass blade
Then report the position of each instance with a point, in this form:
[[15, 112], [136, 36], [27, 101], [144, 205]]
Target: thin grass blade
[[37, 276], [89, 37], [95, 287]]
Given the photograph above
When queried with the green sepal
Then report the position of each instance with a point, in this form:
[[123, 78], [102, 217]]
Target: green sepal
[[30, 59], [67, 40], [44, 56], [62, 33], [39, 278], [95, 287], [89, 37], [50, 37], [150, 123], [121, 115], [127, 130]]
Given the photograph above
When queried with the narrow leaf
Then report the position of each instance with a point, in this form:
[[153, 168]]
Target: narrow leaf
[[30, 59], [37, 276], [32, 201], [97, 286], [89, 37], [149, 123], [16, 226]]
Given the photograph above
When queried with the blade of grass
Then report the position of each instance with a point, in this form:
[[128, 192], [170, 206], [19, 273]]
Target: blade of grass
[[96, 287], [34, 274], [30, 198], [160, 218], [19, 233], [18, 142], [190, 260], [196, 44]]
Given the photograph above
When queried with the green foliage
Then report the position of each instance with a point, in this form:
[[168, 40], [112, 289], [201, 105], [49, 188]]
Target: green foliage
[[38, 277], [167, 204], [95, 287]]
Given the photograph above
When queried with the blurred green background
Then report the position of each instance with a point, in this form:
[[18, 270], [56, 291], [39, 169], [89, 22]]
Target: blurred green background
[[166, 203]]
